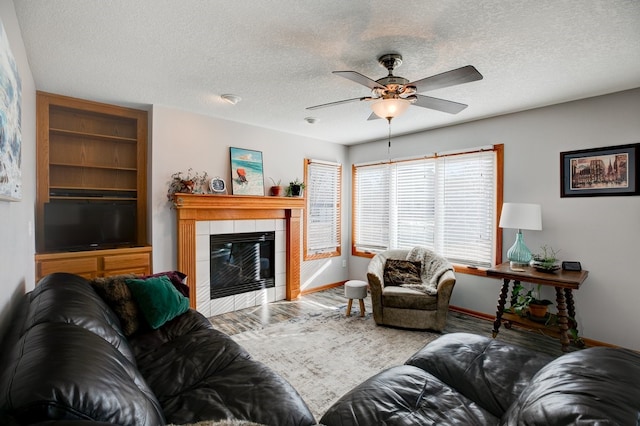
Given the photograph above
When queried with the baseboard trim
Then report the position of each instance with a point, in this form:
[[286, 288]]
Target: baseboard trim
[[321, 288], [487, 317], [475, 314]]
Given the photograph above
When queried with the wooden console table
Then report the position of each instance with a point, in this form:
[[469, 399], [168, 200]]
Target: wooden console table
[[563, 281]]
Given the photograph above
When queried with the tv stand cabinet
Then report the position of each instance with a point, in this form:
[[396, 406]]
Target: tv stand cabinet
[[96, 263]]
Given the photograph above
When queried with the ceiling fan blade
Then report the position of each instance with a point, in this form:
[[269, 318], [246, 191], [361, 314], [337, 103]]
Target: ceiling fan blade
[[439, 104], [450, 78], [360, 79], [345, 101]]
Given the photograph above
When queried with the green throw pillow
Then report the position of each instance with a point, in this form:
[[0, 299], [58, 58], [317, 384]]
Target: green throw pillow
[[158, 299]]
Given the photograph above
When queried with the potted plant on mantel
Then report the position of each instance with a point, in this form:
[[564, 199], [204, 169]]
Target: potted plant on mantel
[[189, 183], [295, 188], [276, 190]]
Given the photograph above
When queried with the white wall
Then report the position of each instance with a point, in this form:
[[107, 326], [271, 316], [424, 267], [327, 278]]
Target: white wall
[[600, 232], [183, 140], [17, 245]]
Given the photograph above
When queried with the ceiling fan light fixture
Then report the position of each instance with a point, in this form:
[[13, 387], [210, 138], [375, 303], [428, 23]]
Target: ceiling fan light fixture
[[231, 99], [390, 108]]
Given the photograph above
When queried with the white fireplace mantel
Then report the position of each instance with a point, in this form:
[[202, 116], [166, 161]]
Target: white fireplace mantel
[[192, 208]]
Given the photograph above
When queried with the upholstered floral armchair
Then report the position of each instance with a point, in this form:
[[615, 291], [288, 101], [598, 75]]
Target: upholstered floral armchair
[[408, 300]]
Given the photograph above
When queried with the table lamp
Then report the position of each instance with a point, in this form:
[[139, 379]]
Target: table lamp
[[520, 216]]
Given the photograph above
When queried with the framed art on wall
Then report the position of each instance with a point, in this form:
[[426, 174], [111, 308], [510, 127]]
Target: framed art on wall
[[247, 175], [10, 123], [606, 171]]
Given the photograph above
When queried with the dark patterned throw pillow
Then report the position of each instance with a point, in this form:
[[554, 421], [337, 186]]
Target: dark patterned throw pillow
[[398, 272], [115, 292]]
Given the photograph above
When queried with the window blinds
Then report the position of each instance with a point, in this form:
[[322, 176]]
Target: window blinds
[[445, 203], [372, 196], [323, 207]]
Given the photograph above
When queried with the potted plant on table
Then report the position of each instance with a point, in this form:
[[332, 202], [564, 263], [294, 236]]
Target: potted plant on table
[[529, 302], [295, 188], [546, 260], [538, 307]]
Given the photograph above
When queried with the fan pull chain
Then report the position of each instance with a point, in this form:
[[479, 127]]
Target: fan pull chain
[[389, 145]]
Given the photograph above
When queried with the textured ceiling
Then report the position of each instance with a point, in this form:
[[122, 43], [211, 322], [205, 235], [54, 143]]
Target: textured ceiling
[[278, 56]]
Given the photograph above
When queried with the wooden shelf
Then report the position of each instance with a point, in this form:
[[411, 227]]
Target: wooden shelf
[[93, 189], [54, 197], [93, 152], [252, 202], [94, 166], [93, 135], [553, 329]]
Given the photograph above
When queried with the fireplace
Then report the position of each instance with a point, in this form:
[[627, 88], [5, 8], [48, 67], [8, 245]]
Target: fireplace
[[200, 216], [241, 262]]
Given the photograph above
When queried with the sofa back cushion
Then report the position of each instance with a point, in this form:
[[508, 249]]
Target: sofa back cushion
[[592, 386], [490, 372], [68, 298], [61, 371]]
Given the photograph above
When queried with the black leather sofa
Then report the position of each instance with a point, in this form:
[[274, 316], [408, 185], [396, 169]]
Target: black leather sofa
[[465, 379], [66, 359]]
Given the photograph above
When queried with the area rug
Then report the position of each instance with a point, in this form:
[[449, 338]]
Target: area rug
[[325, 355]]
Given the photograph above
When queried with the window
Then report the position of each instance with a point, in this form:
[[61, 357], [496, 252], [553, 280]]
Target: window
[[322, 223], [446, 202]]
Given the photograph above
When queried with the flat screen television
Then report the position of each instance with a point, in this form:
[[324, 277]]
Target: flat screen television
[[76, 225]]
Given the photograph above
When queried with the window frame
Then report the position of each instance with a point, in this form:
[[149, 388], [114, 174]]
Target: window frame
[[308, 210], [499, 187]]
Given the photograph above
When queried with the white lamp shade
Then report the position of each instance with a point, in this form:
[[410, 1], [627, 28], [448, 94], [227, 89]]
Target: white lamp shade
[[390, 108], [521, 216]]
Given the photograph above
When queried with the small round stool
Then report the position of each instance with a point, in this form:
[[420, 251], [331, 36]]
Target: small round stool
[[354, 289]]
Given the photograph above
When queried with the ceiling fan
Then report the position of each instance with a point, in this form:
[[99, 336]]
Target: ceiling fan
[[392, 95]]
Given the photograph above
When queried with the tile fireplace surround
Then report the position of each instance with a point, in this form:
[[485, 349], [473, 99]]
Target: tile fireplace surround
[[199, 216]]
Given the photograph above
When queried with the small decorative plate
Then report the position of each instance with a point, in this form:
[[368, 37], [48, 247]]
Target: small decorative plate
[[217, 185]]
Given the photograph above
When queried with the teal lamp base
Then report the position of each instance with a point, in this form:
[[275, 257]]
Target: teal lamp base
[[519, 255]]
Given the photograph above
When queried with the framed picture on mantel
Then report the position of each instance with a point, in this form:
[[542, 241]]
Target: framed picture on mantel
[[607, 171], [247, 175]]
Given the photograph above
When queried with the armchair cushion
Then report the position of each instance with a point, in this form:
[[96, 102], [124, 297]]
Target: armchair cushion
[[399, 272], [407, 298]]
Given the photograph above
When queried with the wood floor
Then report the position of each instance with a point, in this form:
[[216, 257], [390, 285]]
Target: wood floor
[[256, 318]]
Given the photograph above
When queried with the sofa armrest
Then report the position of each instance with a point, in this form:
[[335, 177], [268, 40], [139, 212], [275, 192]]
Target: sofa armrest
[[61, 371], [487, 371], [597, 385]]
